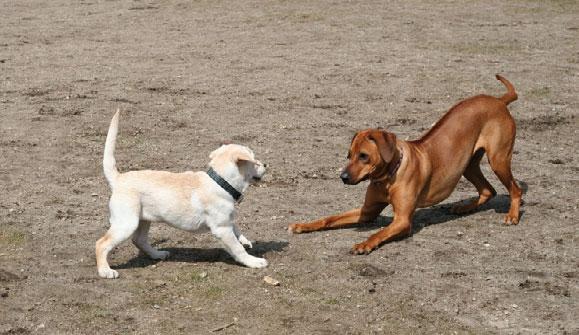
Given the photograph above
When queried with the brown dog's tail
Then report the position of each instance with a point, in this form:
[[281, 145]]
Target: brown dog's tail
[[511, 95]]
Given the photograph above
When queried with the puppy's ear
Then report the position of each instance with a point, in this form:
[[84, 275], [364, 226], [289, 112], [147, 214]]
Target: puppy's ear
[[244, 157], [386, 143], [212, 154]]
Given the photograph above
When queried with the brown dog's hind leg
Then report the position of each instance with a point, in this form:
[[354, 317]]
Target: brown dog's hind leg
[[476, 177], [501, 165]]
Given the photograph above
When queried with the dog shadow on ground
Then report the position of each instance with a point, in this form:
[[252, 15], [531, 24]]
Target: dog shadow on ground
[[422, 218], [441, 213], [202, 255]]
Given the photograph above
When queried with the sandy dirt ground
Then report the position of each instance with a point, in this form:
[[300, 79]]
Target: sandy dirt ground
[[293, 80]]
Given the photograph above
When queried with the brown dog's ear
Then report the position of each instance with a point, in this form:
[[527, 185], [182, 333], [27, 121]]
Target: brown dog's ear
[[386, 143], [353, 138]]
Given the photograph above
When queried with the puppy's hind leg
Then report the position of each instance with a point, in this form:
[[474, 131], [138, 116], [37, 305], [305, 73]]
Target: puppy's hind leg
[[227, 236], [124, 220], [141, 241]]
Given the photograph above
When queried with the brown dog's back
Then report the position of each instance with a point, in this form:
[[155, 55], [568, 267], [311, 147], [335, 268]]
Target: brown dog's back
[[480, 122]]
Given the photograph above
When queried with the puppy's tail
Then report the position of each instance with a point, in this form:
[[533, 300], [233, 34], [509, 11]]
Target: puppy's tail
[[511, 95], [109, 163]]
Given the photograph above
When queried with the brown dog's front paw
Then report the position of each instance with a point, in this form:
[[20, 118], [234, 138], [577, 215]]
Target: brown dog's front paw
[[294, 228], [363, 248]]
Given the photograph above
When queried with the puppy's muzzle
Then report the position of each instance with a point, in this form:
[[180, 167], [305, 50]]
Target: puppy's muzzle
[[261, 172]]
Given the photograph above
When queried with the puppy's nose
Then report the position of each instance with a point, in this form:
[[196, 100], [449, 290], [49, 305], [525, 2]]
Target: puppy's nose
[[345, 176], [264, 165]]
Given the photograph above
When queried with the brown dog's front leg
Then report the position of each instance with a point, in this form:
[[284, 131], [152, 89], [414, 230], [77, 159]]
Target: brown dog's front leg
[[400, 226], [360, 215]]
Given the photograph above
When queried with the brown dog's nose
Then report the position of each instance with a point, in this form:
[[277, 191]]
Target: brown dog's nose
[[345, 176]]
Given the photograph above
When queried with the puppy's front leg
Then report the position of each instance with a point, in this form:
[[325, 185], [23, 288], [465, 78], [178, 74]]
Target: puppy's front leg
[[244, 241], [233, 246]]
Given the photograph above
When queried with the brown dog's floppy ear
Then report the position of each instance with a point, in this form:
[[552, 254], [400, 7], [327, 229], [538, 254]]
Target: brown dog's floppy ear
[[386, 143], [353, 138]]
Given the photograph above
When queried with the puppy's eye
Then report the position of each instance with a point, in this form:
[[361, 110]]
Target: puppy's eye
[[363, 156], [349, 155]]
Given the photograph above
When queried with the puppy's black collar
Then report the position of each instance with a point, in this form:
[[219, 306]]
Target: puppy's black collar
[[237, 196]]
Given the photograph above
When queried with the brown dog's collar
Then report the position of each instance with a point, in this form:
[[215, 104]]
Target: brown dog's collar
[[392, 171]]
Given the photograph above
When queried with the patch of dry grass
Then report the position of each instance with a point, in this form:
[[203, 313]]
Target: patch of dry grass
[[486, 48], [12, 237]]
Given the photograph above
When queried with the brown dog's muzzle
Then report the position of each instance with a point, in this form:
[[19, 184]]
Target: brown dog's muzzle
[[345, 176], [350, 177]]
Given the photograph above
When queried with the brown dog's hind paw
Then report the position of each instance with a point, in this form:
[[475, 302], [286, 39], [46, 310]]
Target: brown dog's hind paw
[[511, 219]]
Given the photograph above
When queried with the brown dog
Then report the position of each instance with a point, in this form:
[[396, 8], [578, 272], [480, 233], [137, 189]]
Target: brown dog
[[421, 173]]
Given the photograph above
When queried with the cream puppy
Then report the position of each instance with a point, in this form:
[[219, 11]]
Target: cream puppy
[[193, 201]]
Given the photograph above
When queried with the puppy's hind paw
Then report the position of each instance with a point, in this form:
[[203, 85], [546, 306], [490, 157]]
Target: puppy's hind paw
[[108, 273]]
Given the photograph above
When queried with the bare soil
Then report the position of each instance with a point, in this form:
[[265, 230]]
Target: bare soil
[[293, 80]]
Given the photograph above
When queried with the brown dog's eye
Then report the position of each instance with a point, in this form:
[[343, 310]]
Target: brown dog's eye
[[349, 155], [363, 156]]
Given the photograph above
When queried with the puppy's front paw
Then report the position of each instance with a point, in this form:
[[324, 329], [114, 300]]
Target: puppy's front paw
[[160, 254], [255, 262], [108, 273], [245, 242]]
